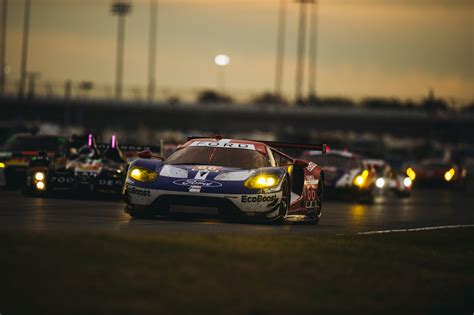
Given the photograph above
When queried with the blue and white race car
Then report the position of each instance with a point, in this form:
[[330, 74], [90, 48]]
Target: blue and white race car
[[234, 178]]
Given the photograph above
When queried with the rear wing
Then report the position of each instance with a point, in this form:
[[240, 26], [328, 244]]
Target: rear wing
[[297, 146], [275, 144], [130, 147]]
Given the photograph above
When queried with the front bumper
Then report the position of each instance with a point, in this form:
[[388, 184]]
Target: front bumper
[[265, 206], [60, 182], [13, 176]]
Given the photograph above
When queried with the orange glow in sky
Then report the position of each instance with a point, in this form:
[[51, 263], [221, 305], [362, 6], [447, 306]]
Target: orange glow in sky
[[365, 47]]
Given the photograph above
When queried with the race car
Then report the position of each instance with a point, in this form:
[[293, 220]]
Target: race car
[[228, 177], [387, 179], [437, 172], [19, 149], [345, 175], [90, 170]]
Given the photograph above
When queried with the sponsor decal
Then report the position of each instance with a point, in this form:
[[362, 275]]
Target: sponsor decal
[[140, 192], [195, 189], [208, 168], [310, 204], [311, 182], [88, 167], [85, 176], [62, 179], [310, 166], [197, 182], [110, 182], [259, 198], [223, 144]]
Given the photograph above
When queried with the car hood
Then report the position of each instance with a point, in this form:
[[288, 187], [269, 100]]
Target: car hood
[[205, 172], [202, 178]]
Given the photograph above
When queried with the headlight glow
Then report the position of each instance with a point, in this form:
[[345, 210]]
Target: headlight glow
[[39, 176], [449, 174], [359, 180], [262, 181], [407, 182], [142, 174], [411, 173], [380, 182], [40, 185], [2, 165]]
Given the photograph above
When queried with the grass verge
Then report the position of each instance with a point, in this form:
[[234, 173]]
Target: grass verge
[[86, 273]]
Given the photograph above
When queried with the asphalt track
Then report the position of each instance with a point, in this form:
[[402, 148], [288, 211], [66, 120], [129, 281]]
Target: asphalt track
[[425, 208]]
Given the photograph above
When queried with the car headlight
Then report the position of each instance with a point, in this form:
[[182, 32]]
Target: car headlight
[[40, 185], [2, 165], [449, 174], [142, 174], [407, 182], [411, 173], [360, 179], [380, 182], [39, 176], [262, 181]]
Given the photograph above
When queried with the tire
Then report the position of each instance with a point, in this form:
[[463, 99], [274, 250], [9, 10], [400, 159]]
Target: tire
[[319, 203], [366, 197], [285, 201], [140, 214]]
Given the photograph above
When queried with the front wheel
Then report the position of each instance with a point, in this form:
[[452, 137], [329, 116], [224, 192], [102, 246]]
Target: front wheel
[[315, 215], [139, 214], [285, 201]]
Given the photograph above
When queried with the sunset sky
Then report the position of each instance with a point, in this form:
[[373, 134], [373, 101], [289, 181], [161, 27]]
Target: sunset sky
[[398, 48]]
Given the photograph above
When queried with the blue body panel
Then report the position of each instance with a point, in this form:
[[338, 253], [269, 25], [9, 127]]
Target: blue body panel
[[208, 185]]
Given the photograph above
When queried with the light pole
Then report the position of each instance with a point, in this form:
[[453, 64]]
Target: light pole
[[221, 61], [313, 46], [121, 9], [3, 46], [299, 77], [152, 50], [280, 53], [24, 49]]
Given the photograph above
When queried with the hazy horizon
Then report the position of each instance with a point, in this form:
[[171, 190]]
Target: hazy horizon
[[365, 47]]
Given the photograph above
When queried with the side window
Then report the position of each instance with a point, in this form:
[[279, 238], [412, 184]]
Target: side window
[[271, 157], [280, 159]]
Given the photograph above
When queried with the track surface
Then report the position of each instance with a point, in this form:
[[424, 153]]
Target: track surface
[[424, 208]]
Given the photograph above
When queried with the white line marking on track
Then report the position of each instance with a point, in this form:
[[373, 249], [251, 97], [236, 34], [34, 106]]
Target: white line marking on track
[[428, 228]]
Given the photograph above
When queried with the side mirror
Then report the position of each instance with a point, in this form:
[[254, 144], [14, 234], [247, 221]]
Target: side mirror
[[301, 163], [147, 154]]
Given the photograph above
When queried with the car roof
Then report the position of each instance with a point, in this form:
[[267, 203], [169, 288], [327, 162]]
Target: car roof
[[227, 144], [379, 162]]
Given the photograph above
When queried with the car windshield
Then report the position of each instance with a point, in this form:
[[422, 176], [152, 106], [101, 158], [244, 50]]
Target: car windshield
[[238, 158], [337, 161], [35, 143]]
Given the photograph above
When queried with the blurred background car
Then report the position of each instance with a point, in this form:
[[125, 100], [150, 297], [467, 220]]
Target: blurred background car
[[19, 149], [435, 172], [345, 175], [388, 180], [91, 168]]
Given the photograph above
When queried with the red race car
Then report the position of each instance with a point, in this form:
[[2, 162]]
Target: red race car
[[437, 172]]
